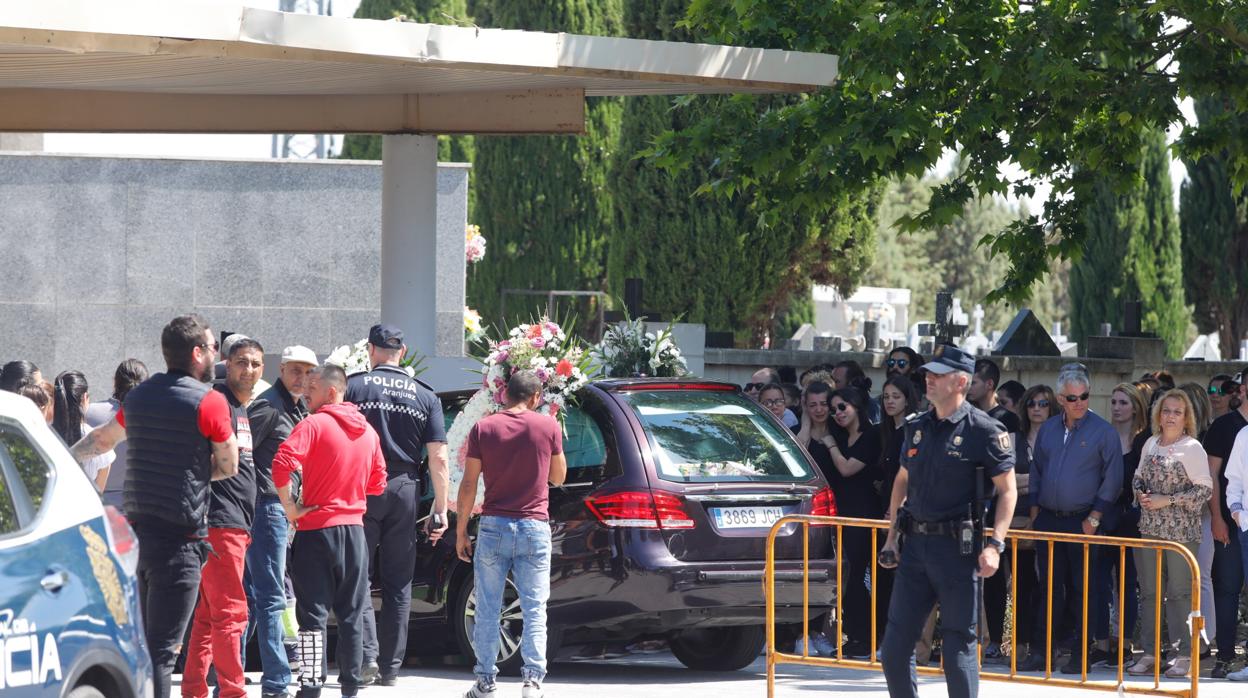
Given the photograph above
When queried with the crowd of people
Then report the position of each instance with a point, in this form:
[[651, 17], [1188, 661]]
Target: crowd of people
[[213, 467], [1167, 462]]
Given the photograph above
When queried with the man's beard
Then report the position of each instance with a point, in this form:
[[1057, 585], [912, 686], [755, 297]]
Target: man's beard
[[207, 373]]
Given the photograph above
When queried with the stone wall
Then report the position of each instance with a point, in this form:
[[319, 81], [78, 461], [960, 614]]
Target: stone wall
[[100, 252]]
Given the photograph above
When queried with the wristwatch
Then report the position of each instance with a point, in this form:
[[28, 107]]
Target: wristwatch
[[1093, 521], [998, 544]]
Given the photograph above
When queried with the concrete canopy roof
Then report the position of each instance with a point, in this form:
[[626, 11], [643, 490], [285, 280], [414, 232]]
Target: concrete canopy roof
[[143, 65]]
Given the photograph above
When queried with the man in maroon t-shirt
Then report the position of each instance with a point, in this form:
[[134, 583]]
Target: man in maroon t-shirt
[[518, 452]]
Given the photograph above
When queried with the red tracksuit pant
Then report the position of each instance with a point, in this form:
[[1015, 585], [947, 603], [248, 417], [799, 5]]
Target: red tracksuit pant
[[220, 618]]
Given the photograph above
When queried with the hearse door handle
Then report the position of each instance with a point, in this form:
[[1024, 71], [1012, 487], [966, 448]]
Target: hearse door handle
[[53, 581]]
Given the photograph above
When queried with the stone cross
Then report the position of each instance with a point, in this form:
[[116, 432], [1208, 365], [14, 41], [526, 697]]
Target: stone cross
[[946, 329]]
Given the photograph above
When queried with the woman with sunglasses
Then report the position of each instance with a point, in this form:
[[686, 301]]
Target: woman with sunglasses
[[1172, 487], [854, 449], [1037, 404]]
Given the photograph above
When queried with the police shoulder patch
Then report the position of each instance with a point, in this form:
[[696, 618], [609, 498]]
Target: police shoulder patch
[[1003, 440]]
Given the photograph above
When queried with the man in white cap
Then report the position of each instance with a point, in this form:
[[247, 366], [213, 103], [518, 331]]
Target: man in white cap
[[273, 415]]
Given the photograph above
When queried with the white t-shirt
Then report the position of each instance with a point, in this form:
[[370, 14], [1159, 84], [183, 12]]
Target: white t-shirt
[[1236, 469], [94, 465]]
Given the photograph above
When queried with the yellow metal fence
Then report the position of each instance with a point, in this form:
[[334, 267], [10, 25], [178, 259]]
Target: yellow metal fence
[[879, 528]]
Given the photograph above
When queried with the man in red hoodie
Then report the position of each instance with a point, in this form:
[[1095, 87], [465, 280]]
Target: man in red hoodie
[[342, 463]]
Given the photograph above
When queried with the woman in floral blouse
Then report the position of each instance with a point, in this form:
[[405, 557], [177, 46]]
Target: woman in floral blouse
[[1172, 487]]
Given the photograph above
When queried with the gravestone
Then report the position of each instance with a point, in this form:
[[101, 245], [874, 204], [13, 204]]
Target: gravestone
[[1026, 337]]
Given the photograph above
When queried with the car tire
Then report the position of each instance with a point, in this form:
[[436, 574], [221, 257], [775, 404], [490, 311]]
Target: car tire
[[509, 660], [719, 649], [85, 692]]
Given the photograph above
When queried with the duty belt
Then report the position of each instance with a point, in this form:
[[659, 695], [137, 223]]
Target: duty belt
[[934, 528]]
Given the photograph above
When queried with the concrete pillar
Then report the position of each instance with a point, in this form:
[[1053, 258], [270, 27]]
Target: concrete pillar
[[424, 214]]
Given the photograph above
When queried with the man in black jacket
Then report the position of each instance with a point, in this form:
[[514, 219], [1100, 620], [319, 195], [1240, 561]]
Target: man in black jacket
[[273, 415], [181, 438]]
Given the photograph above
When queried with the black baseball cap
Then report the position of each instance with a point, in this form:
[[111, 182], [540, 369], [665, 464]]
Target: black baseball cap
[[386, 336], [948, 359]]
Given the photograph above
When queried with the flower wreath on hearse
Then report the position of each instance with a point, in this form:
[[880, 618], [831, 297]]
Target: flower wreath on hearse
[[544, 348]]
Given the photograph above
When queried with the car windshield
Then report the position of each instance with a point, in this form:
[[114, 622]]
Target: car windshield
[[715, 436]]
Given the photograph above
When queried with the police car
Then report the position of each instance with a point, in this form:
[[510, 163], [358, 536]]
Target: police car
[[69, 615]]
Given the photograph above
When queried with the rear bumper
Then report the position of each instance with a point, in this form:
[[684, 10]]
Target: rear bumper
[[678, 595]]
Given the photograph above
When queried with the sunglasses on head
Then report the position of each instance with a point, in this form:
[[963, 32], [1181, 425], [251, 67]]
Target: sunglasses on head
[[1076, 398], [752, 386], [1037, 403], [897, 363]]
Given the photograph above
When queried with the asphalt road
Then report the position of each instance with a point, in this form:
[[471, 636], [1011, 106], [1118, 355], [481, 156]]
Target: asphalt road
[[661, 676]]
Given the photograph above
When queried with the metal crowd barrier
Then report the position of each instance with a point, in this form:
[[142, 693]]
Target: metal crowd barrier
[[775, 657]]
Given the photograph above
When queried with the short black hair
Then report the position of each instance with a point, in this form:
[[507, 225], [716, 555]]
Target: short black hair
[[180, 337], [129, 374], [988, 370], [522, 386], [1013, 389], [244, 343], [332, 374], [855, 377]]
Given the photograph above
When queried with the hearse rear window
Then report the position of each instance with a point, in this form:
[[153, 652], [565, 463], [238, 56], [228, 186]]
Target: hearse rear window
[[713, 436]]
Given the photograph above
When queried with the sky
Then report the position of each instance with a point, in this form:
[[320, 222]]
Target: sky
[[261, 146]]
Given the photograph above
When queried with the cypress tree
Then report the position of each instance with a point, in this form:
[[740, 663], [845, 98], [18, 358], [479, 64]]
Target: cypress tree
[[706, 259], [1214, 220], [1133, 253], [544, 202]]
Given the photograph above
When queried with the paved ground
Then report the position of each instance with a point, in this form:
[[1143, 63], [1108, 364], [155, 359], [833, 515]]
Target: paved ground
[[661, 676]]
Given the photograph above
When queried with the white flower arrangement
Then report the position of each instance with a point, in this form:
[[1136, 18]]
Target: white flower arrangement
[[353, 359], [627, 349]]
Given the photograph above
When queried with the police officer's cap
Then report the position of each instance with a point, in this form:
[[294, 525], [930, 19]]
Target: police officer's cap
[[386, 336], [948, 359]]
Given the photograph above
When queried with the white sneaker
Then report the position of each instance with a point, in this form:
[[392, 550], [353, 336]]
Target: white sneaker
[[1241, 675], [531, 689], [479, 691], [820, 644]]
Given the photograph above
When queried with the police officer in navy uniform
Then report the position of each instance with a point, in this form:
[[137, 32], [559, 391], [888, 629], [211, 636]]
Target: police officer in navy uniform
[[937, 542], [407, 415]]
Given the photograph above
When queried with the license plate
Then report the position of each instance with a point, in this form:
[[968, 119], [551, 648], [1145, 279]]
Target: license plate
[[746, 517]]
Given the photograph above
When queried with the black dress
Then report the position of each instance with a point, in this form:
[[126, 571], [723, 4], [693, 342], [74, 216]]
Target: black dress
[[855, 498], [856, 495]]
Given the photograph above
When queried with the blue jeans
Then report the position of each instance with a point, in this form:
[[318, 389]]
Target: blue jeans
[[264, 581], [522, 547]]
